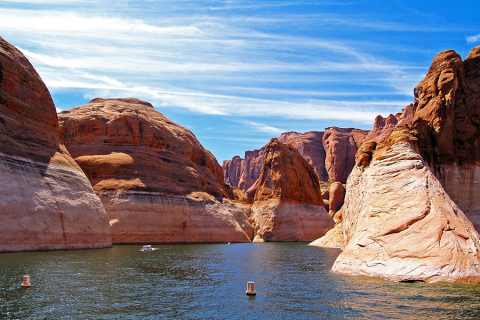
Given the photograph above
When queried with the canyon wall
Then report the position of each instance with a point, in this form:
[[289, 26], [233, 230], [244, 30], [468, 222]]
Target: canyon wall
[[410, 212], [330, 153], [47, 201], [157, 182]]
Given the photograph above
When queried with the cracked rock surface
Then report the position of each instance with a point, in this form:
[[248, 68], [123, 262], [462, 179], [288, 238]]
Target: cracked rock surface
[[400, 224]]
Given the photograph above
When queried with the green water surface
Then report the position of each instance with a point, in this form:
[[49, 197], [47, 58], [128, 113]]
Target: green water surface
[[292, 280]]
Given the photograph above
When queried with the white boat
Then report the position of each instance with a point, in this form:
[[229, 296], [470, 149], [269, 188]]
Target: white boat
[[147, 247]]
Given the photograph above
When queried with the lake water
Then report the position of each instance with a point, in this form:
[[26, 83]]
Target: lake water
[[292, 281]]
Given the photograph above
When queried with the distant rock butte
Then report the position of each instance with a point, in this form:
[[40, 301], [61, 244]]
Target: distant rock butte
[[341, 146], [400, 217], [310, 146], [47, 201], [156, 181], [288, 205], [330, 153]]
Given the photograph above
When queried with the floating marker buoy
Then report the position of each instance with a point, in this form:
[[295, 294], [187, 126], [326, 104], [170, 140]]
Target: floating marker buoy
[[251, 289], [26, 281]]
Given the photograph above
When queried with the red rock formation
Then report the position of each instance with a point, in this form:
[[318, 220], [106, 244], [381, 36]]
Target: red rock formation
[[382, 128], [336, 198], [331, 153], [157, 182], [341, 146], [288, 204], [445, 128], [310, 146], [47, 201], [232, 170], [398, 221], [252, 168], [333, 238], [399, 224]]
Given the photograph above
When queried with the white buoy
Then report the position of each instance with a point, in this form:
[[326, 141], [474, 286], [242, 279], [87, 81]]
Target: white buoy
[[26, 281], [251, 288]]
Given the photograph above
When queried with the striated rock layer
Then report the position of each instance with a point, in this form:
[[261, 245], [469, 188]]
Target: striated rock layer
[[47, 201], [400, 224], [288, 205], [157, 182], [333, 238], [400, 218]]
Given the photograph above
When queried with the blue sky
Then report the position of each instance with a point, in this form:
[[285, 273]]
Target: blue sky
[[237, 72]]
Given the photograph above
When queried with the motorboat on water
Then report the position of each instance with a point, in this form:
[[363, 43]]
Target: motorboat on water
[[147, 247]]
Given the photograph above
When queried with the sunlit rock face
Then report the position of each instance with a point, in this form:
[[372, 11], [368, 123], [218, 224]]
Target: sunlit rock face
[[333, 238], [288, 204], [445, 128], [410, 211], [330, 153], [310, 146], [400, 224], [341, 145], [243, 173], [157, 182], [47, 202]]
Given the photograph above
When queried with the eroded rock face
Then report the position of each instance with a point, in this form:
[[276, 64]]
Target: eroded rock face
[[400, 224], [151, 174], [252, 166], [341, 146], [333, 238], [330, 153], [336, 198], [400, 218], [47, 201], [310, 145], [445, 128], [232, 170], [288, 203]]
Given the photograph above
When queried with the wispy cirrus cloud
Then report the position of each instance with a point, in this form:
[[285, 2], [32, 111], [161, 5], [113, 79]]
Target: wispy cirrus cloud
[[295, 61], [264, 128], [473, 39]]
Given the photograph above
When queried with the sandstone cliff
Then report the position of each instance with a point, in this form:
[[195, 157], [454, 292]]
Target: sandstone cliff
[[47, 201], [310, 146], [341, 146], [400, 224], [288, 205], [156, 181], [330, 153], [400, 218], [333, 238]]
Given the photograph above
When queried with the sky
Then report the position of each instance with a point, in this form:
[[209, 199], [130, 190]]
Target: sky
[[236, 72]]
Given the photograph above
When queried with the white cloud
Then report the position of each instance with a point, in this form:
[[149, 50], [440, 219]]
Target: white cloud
[[53, 22], [264, 128], [188, 62], [473, 39]]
